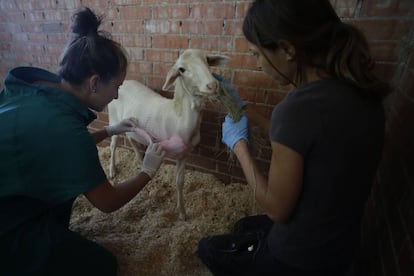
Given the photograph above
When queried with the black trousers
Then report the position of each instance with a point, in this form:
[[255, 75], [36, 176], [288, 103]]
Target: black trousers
[[76, 255], [245, 252], [45, 246]]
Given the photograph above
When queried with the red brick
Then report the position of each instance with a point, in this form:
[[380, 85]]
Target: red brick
[[208, 140], [241, 44], [223, 178], [135, 40], [155, 83], [211, 27], [255, 79], [244, 61], [345, 8], [97, 4], [9, 6], [57, 38], [214, 43], [383, 29], [128, 27], [15, 17], [384, 8], [241, 8], [170, 42], [134, 13], [161, 55], [407, 83], [23, 37], [155, 2], [198, 161], [385, 51], [135, 54], [161, 68], [275, 97], [162, 26], [385, 71], [171, 11], [11, 27], [56, 16], [231, 168], [136, 69], [213, 11], [233, 28]]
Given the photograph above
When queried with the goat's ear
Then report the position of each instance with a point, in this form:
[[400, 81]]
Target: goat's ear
[[171, 77], [215, 60]]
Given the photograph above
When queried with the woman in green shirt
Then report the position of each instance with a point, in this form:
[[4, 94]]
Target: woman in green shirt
[[49, 157]]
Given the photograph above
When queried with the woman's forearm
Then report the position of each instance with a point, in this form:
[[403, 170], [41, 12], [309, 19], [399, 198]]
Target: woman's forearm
[[253, 176], [99, 136]]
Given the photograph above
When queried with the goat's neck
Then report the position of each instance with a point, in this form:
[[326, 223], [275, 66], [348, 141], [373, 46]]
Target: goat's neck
[[185, 101]]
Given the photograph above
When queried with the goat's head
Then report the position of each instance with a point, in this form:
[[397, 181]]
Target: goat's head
[[192, 67]]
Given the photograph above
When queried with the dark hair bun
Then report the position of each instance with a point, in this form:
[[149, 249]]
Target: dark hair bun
[[85, 22]]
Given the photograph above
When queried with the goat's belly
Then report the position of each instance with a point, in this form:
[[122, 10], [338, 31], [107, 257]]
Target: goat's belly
[[174, 147]]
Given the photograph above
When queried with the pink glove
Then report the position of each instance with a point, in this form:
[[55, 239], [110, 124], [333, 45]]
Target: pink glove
[[126, 125]]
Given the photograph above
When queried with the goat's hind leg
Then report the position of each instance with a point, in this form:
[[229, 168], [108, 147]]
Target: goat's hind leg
[[114, 141], [179, 181], [135, 147]]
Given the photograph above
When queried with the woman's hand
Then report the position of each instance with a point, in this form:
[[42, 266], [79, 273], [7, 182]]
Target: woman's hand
[[234, 131], [126, 125], [232, 91], [154, 155]]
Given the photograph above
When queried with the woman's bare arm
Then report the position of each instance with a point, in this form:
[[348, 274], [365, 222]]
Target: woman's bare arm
[[99, 135], [277, 195], [108, 198]]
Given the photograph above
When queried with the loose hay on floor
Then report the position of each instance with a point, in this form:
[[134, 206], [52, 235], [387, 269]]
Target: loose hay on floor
[[146, 235]]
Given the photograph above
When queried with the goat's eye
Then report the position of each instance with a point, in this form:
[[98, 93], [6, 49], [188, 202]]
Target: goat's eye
[[181, 70]]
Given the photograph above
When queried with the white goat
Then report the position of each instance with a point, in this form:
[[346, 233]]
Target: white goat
[[174, 123]]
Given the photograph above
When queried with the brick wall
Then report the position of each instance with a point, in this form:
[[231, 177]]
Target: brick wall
[[388, 231], [153, 32]]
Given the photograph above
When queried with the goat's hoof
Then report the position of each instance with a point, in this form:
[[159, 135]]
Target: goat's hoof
[[182, 216], [111, 175]]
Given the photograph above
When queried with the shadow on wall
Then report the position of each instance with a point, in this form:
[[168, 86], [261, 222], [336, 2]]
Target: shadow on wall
[[388, 233]]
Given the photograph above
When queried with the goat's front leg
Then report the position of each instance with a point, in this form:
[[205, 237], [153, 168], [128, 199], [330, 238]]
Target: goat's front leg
[[114, 141], [179, 181]]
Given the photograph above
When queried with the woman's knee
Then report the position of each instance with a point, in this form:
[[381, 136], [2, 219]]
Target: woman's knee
[[76, 255], [107, 264]]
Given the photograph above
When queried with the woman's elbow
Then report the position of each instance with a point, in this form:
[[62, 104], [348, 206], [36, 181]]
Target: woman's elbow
[[106, 209], [279, 217]]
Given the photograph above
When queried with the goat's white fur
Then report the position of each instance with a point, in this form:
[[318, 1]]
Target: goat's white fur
[[175, 123]]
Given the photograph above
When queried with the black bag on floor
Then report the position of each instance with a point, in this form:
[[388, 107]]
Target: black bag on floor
[[235, 252], [260, 224]]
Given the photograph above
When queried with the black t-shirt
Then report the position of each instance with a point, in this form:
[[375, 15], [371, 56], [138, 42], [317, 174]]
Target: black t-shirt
[[340, 135]]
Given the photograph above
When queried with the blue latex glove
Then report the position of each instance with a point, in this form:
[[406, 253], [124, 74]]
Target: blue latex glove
[[230, 88], [234, 131]]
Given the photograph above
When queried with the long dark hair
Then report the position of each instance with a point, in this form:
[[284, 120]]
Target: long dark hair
[[90, 51], [320, 38]]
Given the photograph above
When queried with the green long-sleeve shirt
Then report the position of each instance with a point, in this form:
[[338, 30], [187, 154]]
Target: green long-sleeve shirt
[[47, 159]]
